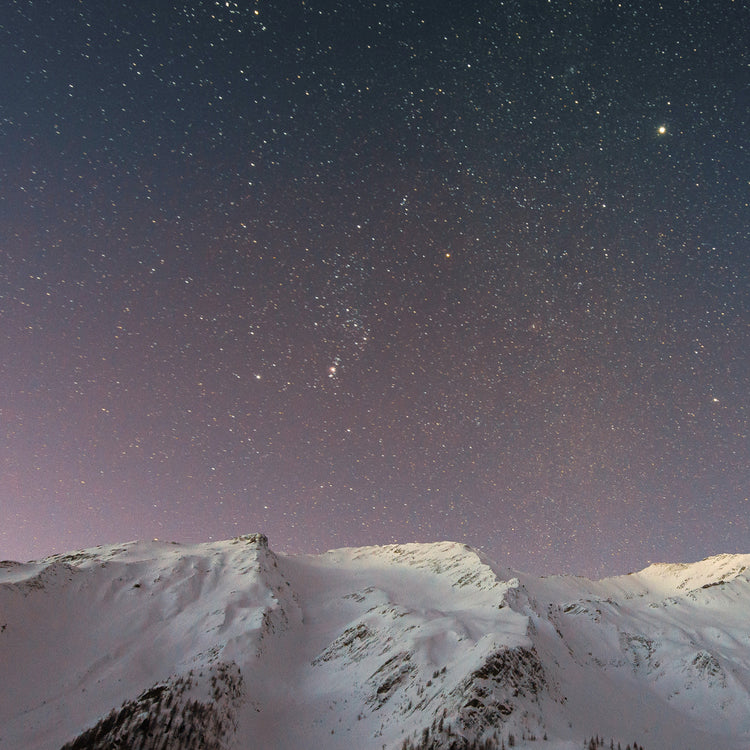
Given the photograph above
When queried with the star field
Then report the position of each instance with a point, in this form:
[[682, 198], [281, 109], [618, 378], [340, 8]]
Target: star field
[[360, 272]]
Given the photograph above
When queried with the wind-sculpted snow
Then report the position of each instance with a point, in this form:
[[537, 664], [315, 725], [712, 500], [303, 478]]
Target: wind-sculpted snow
[[84, 632], [228, 645]]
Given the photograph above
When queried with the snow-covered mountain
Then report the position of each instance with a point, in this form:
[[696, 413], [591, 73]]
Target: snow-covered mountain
[[228, 645]]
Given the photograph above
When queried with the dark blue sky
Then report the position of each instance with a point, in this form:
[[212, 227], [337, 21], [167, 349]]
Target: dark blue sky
[[358, 272]]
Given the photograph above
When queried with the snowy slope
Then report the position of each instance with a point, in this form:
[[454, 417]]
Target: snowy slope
[[227, 645]]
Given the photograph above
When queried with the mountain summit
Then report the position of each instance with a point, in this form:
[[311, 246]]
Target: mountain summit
[[229, 645]]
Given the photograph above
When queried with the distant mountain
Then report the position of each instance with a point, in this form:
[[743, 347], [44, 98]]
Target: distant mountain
[[153, 646]]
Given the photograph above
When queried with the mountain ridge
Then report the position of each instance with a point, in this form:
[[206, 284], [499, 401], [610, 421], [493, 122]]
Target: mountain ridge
[[367, 647]]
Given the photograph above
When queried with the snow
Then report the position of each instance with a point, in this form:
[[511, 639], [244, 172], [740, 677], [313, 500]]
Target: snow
[[366, 647]]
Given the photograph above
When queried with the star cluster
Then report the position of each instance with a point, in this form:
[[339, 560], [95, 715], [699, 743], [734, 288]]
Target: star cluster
[[357, 272]]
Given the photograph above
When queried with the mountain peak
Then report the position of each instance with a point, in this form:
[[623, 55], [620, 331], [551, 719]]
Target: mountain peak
[[711, 571], [399, 646]]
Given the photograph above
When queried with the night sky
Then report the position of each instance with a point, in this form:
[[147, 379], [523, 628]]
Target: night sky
[[352, 272]]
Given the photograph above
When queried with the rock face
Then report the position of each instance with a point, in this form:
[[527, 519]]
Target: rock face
[[228, 645]]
